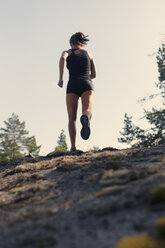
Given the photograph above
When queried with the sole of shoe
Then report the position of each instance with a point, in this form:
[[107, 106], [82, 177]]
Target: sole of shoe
[[85, 131]]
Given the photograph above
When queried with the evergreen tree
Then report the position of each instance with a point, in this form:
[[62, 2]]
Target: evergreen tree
[[128, 130], [32, 147], [156, 134], [161, 69], [133, 135], [14, 142], [62, 145]]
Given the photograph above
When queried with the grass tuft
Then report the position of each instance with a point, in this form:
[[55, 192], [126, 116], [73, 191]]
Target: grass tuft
[[112, 158]]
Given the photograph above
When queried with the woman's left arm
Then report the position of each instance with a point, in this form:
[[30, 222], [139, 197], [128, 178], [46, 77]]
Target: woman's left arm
[[61, 68]]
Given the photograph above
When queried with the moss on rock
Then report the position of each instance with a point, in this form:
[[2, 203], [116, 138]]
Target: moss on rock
[[158, 194], [138, 241], [160, 224]]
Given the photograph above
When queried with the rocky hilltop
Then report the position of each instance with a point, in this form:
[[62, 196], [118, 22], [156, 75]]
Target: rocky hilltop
[[106, 199]]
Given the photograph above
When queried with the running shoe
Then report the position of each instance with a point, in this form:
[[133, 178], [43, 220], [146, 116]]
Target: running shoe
[[85, 131], [74, 151]]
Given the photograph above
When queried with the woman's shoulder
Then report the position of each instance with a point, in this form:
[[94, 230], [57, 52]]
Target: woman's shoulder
[[69, 51], [89, 54], [66, 53]]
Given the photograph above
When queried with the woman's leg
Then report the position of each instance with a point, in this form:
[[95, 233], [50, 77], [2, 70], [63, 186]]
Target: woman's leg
[[72, 105], [87, 100]]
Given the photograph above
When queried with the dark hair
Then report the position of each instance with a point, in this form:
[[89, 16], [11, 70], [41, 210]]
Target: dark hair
[[78, 38]]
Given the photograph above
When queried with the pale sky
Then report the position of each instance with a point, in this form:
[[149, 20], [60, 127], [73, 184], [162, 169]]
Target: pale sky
[[122, 33]]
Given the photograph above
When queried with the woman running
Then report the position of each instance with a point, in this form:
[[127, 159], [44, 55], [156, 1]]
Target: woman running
[[82, 70]]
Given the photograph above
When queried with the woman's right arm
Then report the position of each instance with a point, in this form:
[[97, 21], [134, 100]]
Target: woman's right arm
[[61, 67], [93, 66]]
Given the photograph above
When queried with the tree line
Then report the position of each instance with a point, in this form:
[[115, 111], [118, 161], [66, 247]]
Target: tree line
[[155, 135], [15, 142]]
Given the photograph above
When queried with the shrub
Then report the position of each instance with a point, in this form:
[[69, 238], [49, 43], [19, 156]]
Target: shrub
[[60, 148]]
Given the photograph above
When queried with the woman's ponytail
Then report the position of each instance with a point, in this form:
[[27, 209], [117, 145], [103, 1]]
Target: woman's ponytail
[[78, 38]]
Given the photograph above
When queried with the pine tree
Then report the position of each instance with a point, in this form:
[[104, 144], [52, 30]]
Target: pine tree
[[134, 135], [156, 134], [128, 131], [14, 142], [62, 145], [32, 147], [161, 69]]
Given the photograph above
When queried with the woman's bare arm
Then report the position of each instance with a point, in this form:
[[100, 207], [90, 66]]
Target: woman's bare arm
[[61, 67], [93, 69], [93, 66]]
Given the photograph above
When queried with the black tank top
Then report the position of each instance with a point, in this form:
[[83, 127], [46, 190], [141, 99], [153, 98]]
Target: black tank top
[[78, 64]]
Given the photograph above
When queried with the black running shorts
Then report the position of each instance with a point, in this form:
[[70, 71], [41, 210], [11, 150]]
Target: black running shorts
[[79, 86]]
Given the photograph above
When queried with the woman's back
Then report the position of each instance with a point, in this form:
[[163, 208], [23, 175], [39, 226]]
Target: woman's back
[[78, 64]]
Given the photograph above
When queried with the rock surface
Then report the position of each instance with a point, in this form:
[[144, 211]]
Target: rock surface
[[85, 201]]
